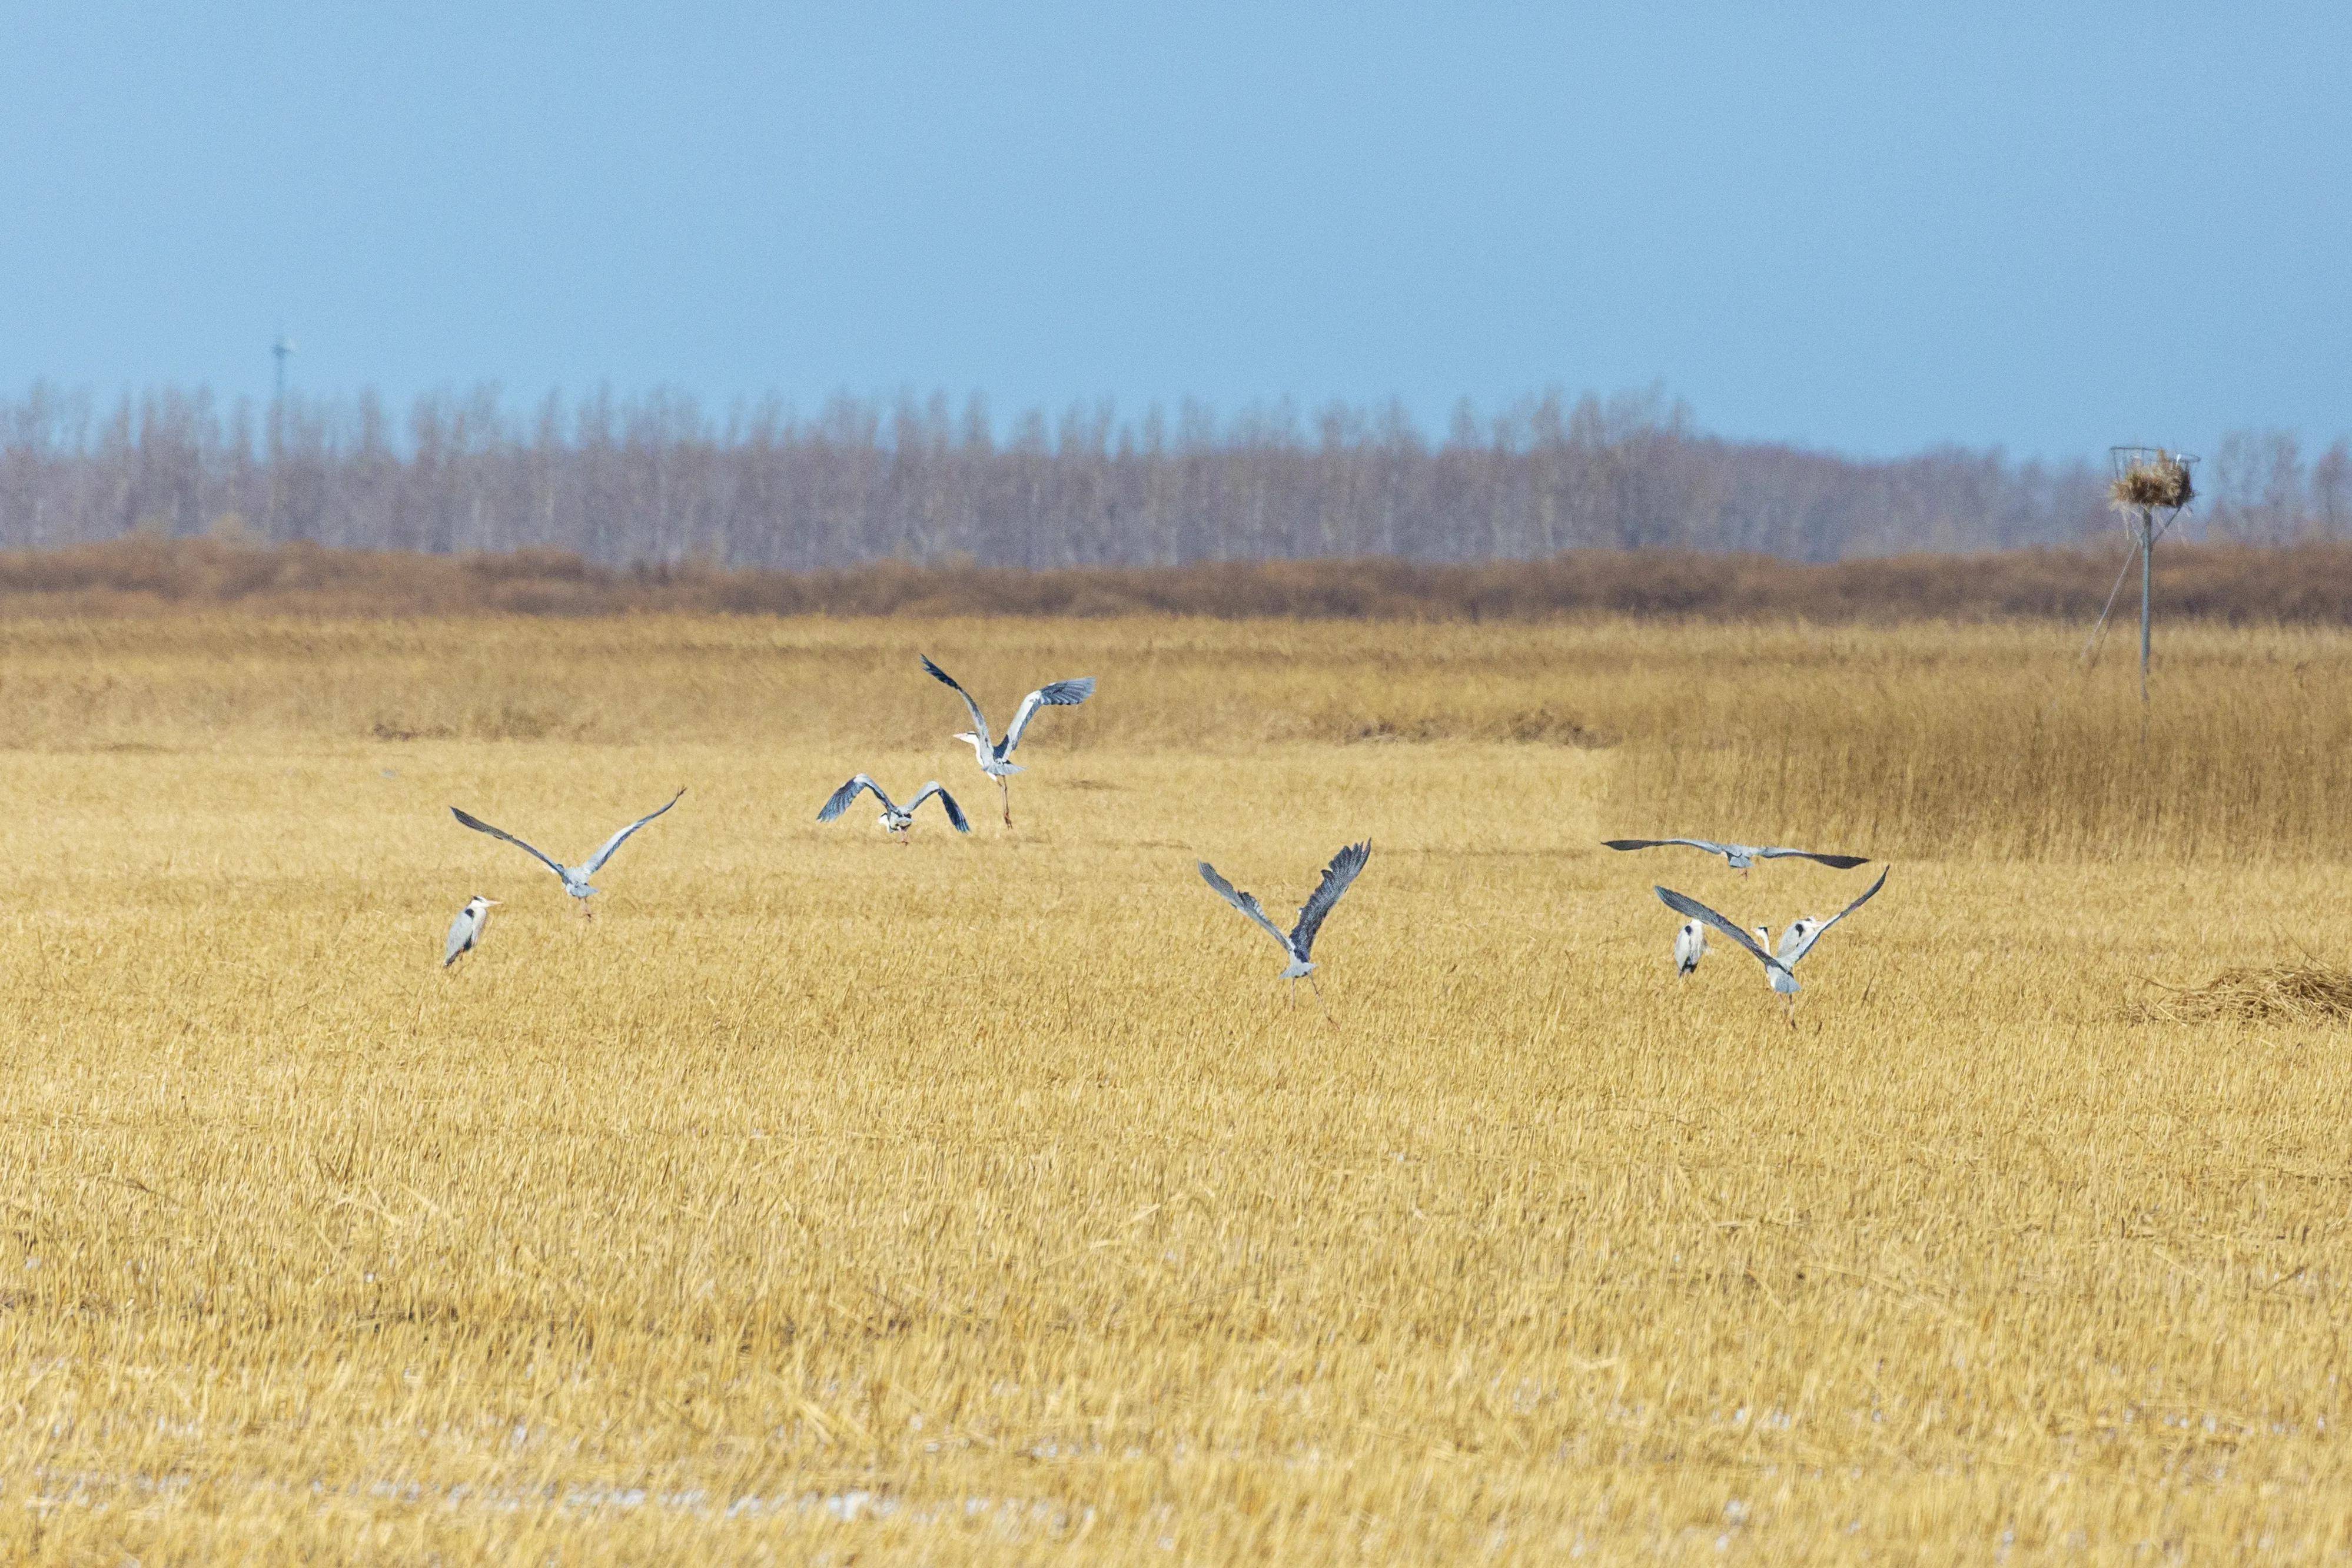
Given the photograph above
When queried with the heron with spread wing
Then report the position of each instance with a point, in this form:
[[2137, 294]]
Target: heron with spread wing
[[995, 756], [1741, 855], [574, 877], [894, 818], [1795, 943], [1299, 942]]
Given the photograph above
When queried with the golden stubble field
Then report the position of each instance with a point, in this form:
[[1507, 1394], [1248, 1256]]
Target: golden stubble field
[[983, 1200]]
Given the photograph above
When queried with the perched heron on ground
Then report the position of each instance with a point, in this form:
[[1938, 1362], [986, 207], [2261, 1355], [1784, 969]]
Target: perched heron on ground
[[895, 819], [576, 878], [1301, 941], [1795, 943], [995, 755], [1690, 946], [1741, 855], [466, 931]]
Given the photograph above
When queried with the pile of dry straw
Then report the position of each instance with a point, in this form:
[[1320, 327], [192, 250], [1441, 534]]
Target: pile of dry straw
[[2289, 993]]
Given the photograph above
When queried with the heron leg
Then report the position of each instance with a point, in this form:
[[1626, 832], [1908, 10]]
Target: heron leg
[[1004, 789], [1294, 994], [1317, 986]]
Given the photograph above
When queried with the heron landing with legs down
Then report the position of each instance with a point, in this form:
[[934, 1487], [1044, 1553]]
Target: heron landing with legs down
[[995, 756]]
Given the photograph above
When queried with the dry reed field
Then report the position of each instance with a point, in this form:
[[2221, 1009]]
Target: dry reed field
[[983, 1200]]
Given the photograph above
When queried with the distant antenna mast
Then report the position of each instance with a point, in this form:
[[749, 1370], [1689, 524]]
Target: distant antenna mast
[[282, 350], [2147, 481]]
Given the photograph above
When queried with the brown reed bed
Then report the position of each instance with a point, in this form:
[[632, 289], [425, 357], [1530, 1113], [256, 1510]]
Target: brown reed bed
[[2307, 584]]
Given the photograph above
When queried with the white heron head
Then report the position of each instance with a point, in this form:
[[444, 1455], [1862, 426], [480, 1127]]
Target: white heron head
[[1764, 937], [479, 902]]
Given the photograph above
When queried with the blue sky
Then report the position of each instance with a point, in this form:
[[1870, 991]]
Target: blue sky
[[1871, 227]]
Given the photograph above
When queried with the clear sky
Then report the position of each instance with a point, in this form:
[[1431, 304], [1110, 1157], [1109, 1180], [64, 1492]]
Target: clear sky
[[1868, 226]]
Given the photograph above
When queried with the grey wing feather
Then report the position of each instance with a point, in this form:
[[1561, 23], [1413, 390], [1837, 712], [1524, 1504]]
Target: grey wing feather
[[838, 802], [597, 861], [1816, 934], [979, 724], [955, 812], [1842, 862], [1664, 843], [479, 825], [1684, 904], [1055, 694], [1337, 875], [1246, 903]]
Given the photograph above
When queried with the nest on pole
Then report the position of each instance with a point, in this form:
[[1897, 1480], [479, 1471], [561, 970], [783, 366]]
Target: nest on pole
[[2161, 480]]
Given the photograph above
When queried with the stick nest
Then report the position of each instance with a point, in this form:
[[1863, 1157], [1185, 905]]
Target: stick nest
[[2160, 481], [2283, 993]]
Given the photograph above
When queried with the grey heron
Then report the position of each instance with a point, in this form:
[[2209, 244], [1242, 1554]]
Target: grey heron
[[995, 756], [1299, 944], [1690, 946], [574, 877], [466, 931], [1741, 855], [895, 819], [1795, 943]]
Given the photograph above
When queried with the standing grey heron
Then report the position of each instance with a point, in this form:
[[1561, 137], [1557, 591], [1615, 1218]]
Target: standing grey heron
[[574, 877], [1741, 855], [895, 819], [1299, 942], [1795, 943], [466, 931], [995, 756], [1690, 946]]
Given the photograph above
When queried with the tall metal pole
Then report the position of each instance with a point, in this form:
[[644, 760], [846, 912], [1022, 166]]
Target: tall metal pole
[[2147, 596]]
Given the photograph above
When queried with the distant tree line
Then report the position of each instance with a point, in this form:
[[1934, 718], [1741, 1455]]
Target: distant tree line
[[661, 479]]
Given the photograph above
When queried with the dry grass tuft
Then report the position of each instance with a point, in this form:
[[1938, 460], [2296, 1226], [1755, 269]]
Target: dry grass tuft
[[2294, 993]]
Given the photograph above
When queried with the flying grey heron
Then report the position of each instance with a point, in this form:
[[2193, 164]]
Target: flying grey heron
[[574, 877], [1299, 944], [466, 931], [895, 819], [1795, 943], [995, 756], [1741, 855], [1690, 946]]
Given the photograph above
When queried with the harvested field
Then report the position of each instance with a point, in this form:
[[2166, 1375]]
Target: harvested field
[[983, 1200]]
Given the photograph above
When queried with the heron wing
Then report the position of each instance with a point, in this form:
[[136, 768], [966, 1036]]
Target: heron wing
[[1664, 843], [1842, 862], [1815, 934], [979, 724], [597, 861], [838, 802], [1684, 904], [955, 812], [479, 825], [1337, 875], [1246, 903], [1057, 694]]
